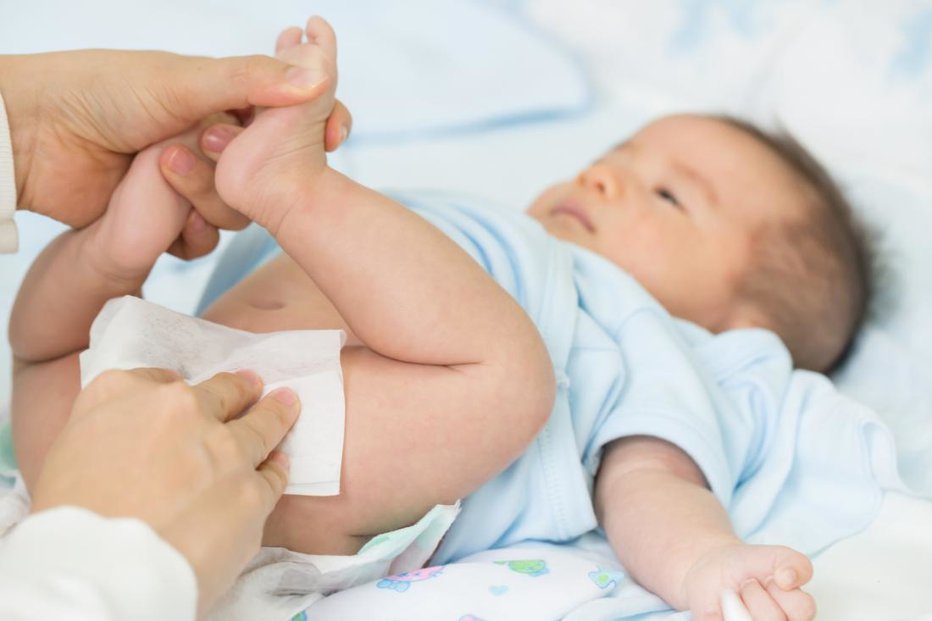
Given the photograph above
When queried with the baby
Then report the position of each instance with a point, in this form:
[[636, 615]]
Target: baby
[[445, 365]]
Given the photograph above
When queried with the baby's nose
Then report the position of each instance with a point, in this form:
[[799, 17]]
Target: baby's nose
[[602, 179]]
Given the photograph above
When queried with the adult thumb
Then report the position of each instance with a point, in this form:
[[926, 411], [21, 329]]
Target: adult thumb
[[202, 86]]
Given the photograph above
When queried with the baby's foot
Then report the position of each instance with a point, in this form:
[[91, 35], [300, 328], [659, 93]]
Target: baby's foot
[[274, 162]]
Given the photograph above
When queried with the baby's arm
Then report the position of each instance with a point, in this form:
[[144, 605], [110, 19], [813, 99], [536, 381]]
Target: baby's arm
[[675, 539], [65, 289]]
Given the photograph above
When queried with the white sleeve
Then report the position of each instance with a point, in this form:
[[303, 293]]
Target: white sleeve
[[8, 237], [70, 563]]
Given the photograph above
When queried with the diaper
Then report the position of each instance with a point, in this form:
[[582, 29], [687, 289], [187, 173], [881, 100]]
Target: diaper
[[130, 333], [278, 583]]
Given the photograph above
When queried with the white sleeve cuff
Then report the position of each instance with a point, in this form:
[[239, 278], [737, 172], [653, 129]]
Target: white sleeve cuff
[[9, 240], [82, 566]]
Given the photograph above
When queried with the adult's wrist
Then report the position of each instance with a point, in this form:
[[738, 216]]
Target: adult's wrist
[[22, 109]]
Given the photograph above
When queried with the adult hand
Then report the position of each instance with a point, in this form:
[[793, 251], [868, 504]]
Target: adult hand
[[77, 117], [144, 444], [189, 169]]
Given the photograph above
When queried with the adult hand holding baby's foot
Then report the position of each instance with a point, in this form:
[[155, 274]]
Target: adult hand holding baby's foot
[[265, 170], [189, 165], [189, 169], [767, 580]]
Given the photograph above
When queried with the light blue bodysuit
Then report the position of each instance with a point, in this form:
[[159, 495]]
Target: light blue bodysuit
[[792, 460]]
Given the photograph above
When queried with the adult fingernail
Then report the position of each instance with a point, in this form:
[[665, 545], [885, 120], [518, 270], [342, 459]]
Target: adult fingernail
[[285, 396], [181, 161], [251, 376], [217, 139], [304, 78], [344, 132]]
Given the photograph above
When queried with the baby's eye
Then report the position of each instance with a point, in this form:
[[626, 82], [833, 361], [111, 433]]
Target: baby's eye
[[668, 196]]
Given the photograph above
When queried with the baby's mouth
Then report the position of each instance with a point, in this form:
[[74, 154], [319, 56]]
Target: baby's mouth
[[576, 212]]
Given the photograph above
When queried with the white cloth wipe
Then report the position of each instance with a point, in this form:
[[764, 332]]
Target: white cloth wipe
[[130, 333]]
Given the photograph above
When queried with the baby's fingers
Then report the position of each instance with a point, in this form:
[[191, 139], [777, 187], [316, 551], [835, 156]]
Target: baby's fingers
[[797, 605], [792, 570], [197, 239], [193, 178]]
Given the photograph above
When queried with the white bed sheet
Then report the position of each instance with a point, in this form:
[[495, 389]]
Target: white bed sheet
[[881, 574]]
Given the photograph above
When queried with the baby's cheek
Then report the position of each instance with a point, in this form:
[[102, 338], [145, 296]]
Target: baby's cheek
[[548, 199]]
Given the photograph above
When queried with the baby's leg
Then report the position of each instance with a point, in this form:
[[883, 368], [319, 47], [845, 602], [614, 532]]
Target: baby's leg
[[416, 435], [455, 380], [412, 440]]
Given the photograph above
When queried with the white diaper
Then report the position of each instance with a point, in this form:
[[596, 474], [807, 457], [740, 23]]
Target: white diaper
[[279, 583], [130, 332]]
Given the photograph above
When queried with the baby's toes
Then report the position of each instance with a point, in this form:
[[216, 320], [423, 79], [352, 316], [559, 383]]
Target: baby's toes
[[319, 50], [797, 605], [311, 59], [320, 32], [288, 38]]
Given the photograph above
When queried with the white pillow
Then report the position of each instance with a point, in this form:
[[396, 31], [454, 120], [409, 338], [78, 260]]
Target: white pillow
[[851, 79], [695, 54], [855, 83]]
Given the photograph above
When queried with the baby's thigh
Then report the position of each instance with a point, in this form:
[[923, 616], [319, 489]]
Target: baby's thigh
[[410, 443]]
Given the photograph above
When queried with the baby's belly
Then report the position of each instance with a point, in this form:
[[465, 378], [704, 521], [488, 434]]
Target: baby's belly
[[277, 296]]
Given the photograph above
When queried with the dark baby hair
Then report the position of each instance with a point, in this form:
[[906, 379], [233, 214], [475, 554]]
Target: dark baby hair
[[811, 276]]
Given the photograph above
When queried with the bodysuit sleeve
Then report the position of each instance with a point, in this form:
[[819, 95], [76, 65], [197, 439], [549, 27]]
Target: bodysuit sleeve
[[670, 394], [779, 447]]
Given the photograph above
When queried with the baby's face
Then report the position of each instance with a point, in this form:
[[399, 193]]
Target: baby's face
[[678, 206]]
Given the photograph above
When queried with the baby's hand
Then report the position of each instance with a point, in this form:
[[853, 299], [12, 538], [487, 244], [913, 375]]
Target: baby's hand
[[767, 579], [149, 214]]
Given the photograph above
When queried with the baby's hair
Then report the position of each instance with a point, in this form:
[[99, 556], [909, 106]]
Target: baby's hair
[[811, 277]]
